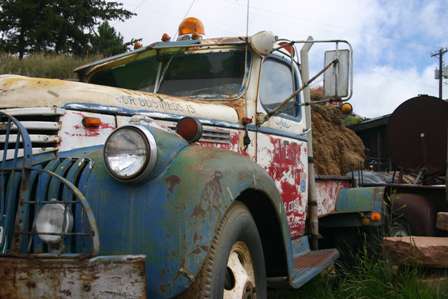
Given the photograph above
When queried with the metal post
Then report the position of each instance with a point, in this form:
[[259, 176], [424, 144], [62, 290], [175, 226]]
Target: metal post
[[440, 74], [440, 53], [312, 198]]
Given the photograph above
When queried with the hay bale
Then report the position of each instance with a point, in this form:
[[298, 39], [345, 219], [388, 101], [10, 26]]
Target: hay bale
[[337, 149]]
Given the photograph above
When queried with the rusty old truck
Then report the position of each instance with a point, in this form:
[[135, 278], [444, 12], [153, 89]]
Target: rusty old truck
[[183, 168]]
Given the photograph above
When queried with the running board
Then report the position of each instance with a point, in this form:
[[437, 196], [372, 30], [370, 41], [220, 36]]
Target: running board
[[310, 264]]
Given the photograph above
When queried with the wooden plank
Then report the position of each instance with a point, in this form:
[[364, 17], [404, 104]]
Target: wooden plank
[[431, 252]]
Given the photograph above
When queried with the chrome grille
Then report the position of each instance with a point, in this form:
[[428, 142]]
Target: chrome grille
[[215, 135], [43, 186], [42, 124], [212, 135]]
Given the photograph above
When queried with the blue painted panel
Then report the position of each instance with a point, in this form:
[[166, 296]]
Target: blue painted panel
[[361, 199]]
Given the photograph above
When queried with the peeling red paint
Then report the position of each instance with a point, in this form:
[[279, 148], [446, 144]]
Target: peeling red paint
[[327, 193], [91, 132], [287, 170]]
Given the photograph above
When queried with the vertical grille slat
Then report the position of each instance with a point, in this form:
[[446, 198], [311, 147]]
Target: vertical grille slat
[[40, 196], [25, 188], [80, 218], [11, 205], [26, 214], [55, 185]]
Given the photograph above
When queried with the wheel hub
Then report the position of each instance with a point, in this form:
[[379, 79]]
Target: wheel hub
[[240, 277]]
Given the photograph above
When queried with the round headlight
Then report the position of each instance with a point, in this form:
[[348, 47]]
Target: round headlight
[[51, 220], [130, 153]]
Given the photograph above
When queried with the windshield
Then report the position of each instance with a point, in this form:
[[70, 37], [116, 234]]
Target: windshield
[[179, 73]]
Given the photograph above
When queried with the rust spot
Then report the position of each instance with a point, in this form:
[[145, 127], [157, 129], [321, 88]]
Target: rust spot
[[314, 259], [210, 196], [198, 211], [30, 284], [196, 251], [172, 181], [196, 237], [66, 293]]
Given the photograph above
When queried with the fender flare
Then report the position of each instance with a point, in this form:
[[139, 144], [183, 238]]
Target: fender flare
[[219, 177], [172, 218]]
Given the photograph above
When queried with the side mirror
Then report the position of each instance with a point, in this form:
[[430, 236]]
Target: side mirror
[[337, 79]]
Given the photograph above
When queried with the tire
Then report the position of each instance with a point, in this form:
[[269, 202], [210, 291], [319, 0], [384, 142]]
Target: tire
[[399, 228], [234, 267], [412, 214]]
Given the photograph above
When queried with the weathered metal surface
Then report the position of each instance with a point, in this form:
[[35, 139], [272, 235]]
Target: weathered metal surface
[[100, 277], [74, 134], [285, 160], [43, 123], [417, 135], [169, 209], [25, 187], [312, 263], [191, 186], [327, 194], [361, 199], [18, 91], [24, 232], [13, 184]]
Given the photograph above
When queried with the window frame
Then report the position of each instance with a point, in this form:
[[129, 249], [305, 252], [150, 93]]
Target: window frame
[[247, 68], [296, 83]]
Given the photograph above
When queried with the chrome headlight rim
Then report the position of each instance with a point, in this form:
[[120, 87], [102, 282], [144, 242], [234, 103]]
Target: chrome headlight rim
[[151, 158]]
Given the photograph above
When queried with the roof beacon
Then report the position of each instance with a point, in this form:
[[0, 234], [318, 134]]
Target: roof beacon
[[191, 28]]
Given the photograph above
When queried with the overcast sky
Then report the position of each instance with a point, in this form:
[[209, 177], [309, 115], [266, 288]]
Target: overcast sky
[[392, 40]]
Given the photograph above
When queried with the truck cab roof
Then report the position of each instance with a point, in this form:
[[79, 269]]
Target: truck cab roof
[[84, 70]]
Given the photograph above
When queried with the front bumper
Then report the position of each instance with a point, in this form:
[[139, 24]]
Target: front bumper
[[68, 277]]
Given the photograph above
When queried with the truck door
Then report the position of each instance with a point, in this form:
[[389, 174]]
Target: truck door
[[281, 142]]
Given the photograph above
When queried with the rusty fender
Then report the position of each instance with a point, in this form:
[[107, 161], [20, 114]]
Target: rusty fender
[[172, 217], [100, 277]]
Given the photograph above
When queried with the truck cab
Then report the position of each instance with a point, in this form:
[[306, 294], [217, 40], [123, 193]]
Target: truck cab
[[183, 168]]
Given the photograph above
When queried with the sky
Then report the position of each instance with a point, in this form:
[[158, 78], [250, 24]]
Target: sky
[[392, 40]]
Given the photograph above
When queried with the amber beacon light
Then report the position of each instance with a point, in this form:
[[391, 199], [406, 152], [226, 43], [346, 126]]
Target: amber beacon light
[[191, 27]]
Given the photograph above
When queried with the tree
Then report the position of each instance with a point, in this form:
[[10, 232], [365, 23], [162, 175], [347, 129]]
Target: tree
[[63, 26], [108, 42]]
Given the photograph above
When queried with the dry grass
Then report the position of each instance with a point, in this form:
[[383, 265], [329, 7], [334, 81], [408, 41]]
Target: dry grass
[[43, 65], [369, 277]]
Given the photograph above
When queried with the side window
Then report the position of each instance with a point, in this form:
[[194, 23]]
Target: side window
[[276, 84]]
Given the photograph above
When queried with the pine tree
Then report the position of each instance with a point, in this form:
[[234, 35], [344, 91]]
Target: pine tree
[[63, 26], [108, 42]]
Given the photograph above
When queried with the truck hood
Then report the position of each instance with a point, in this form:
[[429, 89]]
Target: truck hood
[[23, 92]]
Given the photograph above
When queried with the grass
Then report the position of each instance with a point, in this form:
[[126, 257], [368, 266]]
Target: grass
[[367, 278], [43, 65]]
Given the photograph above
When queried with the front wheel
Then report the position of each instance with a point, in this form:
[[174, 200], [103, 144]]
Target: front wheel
[[234, 267]]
